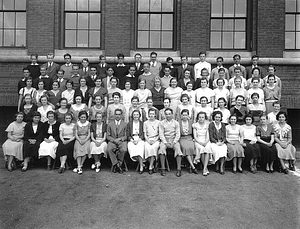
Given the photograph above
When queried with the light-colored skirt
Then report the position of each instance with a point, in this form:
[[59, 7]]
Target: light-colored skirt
[[218, 152], [48, 149], [187, 145], [151, 150], [201, 150], [235, 150], [12, 148], [286, 154], [81, 150], [136, 150], [98, 150]]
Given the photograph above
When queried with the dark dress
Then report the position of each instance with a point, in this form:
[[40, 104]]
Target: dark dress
[[28, 112], [31, 150], [158, 97], [240, 114], [66, 149]]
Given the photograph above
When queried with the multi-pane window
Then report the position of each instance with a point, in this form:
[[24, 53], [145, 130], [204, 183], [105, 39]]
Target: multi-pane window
[[12, 23], [228, 24], [155, 24], [292, 24], [82, 23]]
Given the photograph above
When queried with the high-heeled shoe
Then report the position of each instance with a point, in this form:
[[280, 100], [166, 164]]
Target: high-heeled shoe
[[24, 168]]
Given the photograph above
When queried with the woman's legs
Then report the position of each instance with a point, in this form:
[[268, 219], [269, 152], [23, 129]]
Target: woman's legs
[[63, 160], [222, 160], [240, 161], [162, 159], [190, 160], [234, 161], [204, 159], [271, 166], [151, 162], [48, 162], [10, 161], [25, 165], [178, 160]]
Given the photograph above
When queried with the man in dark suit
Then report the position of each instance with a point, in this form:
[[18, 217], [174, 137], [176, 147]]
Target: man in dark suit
[[184, 65], [85, 70], [121, 70], [138, 64], [47, 79], [102, 67], [51, 67], [61, 80], [254, 59], [169, 63], [90, 79], [117, 141]]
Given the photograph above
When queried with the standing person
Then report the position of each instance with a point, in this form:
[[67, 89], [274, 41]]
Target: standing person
[[272, 93], [116, 105], [265, 139], [184, 65], [234, 138], [91, 79], [147, 76], [47, 80], [138, 64], [61, 80], [185, 105], [28, 107], [82, 90], [283, 138], [69, 92], [67, 67], [98, 108], [62, 110], [142, 93], [121, 70], [117, 141], [217, 137], [98, 145], [51, 67], [102, 67], [136, 144], [128, 93], [85, 70], [255, 109], [220, 92], [21, 82], [237, 90], [201, 64], [82, 142], [39, 92], [173, 92], [155, 66], [97, 90], [33, 136], [113, 88], [54, 95], [77, 107], [34, 67], [191, 93], [221, 75], [239, 110], [158, 93], [151, 134], [75, 77], [222, 107], [169, 64], [132, 77], [26, 90], [271, 71], [51, 137], [215, 74], [237, 63], [13, 146], [204, 90], [44, 108], [169, 133], [254, 60], [166, 78], [187, 78]]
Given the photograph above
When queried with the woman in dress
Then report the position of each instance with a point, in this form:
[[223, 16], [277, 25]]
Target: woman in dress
[[128, 93], [142, 93], [151, 134], [54, 95], [136, 144], [202, 143], [238, 90], [235, 150], [51, 137], [204, 90], [39, 92], [116, 105], [97, 90], [256, 109], [33, 136], [98, 107], [190, 92], [217, 137], [185, 104], [283, 138], [222, 107], [203, 107], [62, 110], [13, 146], [44, 108], [66, 145], [77, 107], [221, 91], [69, 92], [265, 139], [82, 143], [272, 93], [98, 145], [26, 90], [28, 107], [158, 93], [82, 90], [173, 92], [186, 141], [239, 110], [251, 148]]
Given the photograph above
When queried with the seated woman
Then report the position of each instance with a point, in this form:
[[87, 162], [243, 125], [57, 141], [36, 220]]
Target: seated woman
[[66, 145], [51, 138], [98, 145], [251, 148], [186, 142], [256, 109], [185, 104], [217, 137], [28, 108], [173, 92], [202, 143], [142, 93], [13, 146], [265, 139], [234, 138], [151, 134], [145, 110], [136, 144], [283, 138], [62, 110], [44, 108], [33, 136], [82, 143]]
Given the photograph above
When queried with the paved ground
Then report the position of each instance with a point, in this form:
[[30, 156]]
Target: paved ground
[[42, 199]]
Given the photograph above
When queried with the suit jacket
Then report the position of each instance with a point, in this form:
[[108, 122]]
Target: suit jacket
[[249, 72], [90, 82], [180, 72], [101, 71], [139, 71], [55, 130], [84, 74], [47, 83], [29, 134], [51, 72], [62, 84], [113, 133], [173, 72], [130, 130], [94, 129]]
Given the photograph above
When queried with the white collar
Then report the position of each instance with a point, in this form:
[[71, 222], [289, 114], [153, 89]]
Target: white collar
[[82, 124], [68, 65], [121, 65], [34, 64], [237, 65], [46, 76], [130, 76]]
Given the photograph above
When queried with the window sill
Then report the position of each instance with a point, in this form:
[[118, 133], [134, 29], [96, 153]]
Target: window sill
[[291, 54]]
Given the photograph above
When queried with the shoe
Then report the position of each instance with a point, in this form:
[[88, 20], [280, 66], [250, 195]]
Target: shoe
[[114, 169], [252, 170], [24, 168], [120, 170], [271, 171], [150, 171], [93, 166], [240, 171], [9, 169], [267, 171], [75, 170], [292, 168], [205, 174], [48, 167], [286, 171], [234, 171], [195, 171], [190, 170], [98, 167], [154, 170], [141, 172], [61, 170], [178, 173], [222, 172], [80, 171], [163, 172], [97, 170]]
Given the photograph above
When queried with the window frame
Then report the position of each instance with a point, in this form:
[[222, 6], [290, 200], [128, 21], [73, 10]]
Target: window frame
[[248, 28], [63, 26], [292, 31], [174, 35]]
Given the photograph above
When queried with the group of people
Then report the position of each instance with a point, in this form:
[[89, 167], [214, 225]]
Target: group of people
[[207, 115]]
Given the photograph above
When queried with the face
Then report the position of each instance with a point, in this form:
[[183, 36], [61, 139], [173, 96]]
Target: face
[[167, 71], [19, 118], [189, 87], [157, 83], [41, 85], [135, 116], [221, 103], [138, 58], [203, 102], [271, 70], [153, 57], [63, 103], [51, 117], [69, 85], [27, 99], [204, 74], [102, 59], [221, 74], [43, 71], [233, 120], [132, 70], [60, 74], [201, 118], [26, 73], [134, 102], [44, 101], [29, 83], [239, 101], [184, 116], [151, 115], [75, 69], [237, 72], [237, 59], [255, 99], [82, 118], [276, 107], [36, 119], [271, 80], [187, 74], [68, 119], [170, 62], [255, 61], [50, 58], [68, 59], [185, 100], [99, 117], [118, 115], [55, 86], [219, 62], [237, 82], [168, 115], [203, 83], [142, 84], [98, 100], [116, 99], [127, 85], [93, 71], [146, 68], [218, 118], [33, 59], [173, 83], [248, 121], [256, 73], [220, 83], [255, 83], [113, 82], [78, 100], [121, 60], [149, 103], [202, 57], [98, 83], [166, 103], [263, 120], [82, 83], [281, 118], [110, 72], [184, 60], [85, 63]]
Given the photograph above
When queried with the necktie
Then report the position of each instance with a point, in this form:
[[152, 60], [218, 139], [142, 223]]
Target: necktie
[[84, 70]]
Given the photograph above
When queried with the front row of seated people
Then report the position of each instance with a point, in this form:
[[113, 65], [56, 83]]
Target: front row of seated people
[[201, 136]]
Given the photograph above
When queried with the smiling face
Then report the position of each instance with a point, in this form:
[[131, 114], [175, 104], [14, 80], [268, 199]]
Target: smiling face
[[168, 115], [36, 119], [51, 117], [63, 103], [78, 100], [127, 85], [166, 103], [150, 103], [99, 117], [281, 118], [135, 116], [82, 118], [248, 121], [151, 115], [218, 118], [173, 83], [98, 100], [118, 115], [19, 118], [232, 120], [134, 102], [44, 101], [184, 116]]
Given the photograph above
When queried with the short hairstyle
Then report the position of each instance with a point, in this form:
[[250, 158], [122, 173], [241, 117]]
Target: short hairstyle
[[184, 95], [220, 58], [167, 98], [34, 54], [271, 75], [254, 78], [272, 66], [221, 70], [67, 54], [151, 109], [135, 111], [254, 94], [19, 113], [26, 69], [254, 56], [221, 79], [36, 113], [185, 111], [101, 56], [43, 96], [153, 53], [116, 94], [118, 109], [169, 58], [236, 55], [68, 114], [276, 102], [98, 112], [281, 113], [201, 112], [202, 52], [61, 70], [256, 68], [237, 68], [83, 113], [203, 97], [113, 78], [222, 98], [135, 97], [120, 55], [70, 81], [215, 113], [248, 116], [51, 112], [85, 59], [137, 54], [50, 54], [189, 82], [75, 65], [239, 96], [62, 99], [149, 98], [233, 115], [203, 70], [168, 109], [187, 70], [28, 78]]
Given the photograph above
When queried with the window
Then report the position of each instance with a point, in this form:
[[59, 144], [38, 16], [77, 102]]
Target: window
[[155, 23], [12, 23], [228, 24], [292, 24], [82, 23]]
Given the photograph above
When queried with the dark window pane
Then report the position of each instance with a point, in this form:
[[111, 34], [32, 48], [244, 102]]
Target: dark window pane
[[20, 4], [21, 38], [227, 40], [155, 5], [82, 5], [298, 40], [228, 8], [71, 21], [216, 8], [228, 25], [70, 38], [82, 38], [82, 21], [9, 20], [21, 20], [167, 22], [240, 40], [240, 8], [70, 4], [143, 22], [8, 5], [298, 22], [154, 39], [290, 40], [1, 20], [240, 24], [216, 24], [215, 40], [167, 40], [94, 39], [95, 21], [1, 5], [167, 5], [9, 38], [290, 5], [143, 39], [290, 22], [155, 21], [95, 5], [143, 5]]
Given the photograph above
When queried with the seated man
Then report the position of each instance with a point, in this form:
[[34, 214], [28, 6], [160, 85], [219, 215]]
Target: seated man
[[169, 133], [117, 141]]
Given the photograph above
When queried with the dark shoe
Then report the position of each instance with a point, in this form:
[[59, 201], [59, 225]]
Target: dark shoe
[[286, 171], [240, 171], [150, 171], [178, 173], [48, 167], [61, 170], [222, 173], [114, 169], [195, 171], [120, 169], [234, 171], [271, 171], [9, 169], [190, 170], [141, 172], [163, 172], [267, 171], [292, 168]]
